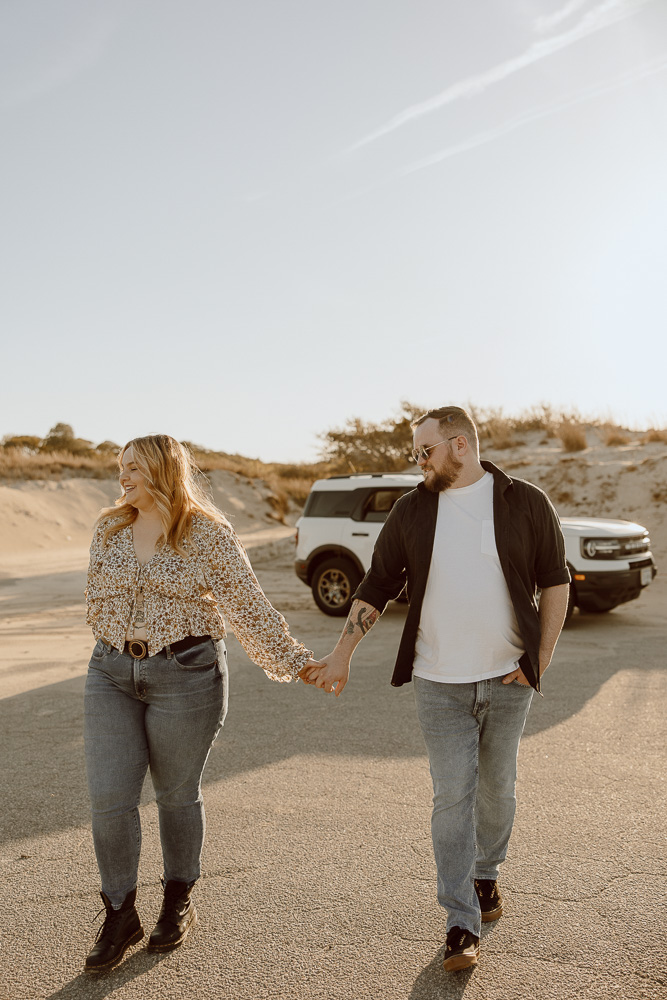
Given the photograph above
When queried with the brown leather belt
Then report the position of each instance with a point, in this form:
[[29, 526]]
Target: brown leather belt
[[138, 648]]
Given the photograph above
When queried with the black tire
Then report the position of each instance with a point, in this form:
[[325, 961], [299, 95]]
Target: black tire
[[333, 583]]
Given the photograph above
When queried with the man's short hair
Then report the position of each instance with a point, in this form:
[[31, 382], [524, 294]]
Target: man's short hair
[[452, 419]]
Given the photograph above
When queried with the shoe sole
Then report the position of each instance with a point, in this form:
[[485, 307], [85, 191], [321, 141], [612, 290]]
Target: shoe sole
[[492, 914], [137, 936], [458, 962], [173, 944]]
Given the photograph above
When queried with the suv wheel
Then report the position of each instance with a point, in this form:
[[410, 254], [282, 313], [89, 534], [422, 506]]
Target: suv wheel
[[334, 582]]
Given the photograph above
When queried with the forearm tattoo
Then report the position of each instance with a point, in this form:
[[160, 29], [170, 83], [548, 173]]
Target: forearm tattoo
[[365, 620]]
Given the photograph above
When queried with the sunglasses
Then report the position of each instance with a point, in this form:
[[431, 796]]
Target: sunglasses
[[422, 452]]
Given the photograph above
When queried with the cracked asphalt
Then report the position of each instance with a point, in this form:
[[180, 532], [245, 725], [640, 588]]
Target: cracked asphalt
[[319, 881]]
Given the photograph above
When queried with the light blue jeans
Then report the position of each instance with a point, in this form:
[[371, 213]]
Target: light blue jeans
[[472, 733], [162, 712]]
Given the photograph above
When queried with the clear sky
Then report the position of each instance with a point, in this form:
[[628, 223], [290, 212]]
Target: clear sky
[[242, 221]]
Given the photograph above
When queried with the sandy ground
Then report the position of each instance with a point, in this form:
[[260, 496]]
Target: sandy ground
[[318, 874]]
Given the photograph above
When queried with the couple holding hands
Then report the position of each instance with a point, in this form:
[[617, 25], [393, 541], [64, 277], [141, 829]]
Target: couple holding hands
[[165, 565]]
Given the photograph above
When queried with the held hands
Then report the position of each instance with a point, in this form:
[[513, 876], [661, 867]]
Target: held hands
[[331, 673]]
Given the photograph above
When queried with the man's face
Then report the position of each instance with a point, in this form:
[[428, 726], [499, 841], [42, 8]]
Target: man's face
[[441, 469]]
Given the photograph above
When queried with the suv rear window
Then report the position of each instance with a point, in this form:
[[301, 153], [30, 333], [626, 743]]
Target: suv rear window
[[331, 503]]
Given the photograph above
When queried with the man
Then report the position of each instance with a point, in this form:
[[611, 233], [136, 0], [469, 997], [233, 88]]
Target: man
[[473, 545]]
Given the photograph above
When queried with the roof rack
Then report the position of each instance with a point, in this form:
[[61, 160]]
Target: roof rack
[[372, 475]]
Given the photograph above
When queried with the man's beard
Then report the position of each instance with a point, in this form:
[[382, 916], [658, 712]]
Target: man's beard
[[438, 482]]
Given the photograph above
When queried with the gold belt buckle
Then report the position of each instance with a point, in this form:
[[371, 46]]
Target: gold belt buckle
[[137, 644]]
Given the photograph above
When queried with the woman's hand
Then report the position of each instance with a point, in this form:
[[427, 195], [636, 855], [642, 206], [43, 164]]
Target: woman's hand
[[310, 670], [330, 673]]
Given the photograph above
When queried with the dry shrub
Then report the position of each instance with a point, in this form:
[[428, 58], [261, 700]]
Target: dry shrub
[[501, 434], [536, 418], [494, 427], [572, 435], [279, 503], [655, 435], [613, 436], [20, 463], [562, 496], [298, 487], [287, 481]]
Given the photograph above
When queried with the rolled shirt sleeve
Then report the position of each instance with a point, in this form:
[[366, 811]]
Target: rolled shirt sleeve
[[550, 560]]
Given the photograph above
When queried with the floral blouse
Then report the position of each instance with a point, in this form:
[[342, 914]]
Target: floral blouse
[[188, 596]]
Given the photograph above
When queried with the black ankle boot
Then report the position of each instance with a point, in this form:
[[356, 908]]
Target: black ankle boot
[[177, 916], [120, 929]]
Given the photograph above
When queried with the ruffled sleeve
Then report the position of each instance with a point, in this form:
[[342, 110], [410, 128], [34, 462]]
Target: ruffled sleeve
[[261, 630]]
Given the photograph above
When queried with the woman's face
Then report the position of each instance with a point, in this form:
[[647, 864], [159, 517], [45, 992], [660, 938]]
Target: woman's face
[[133, 482]]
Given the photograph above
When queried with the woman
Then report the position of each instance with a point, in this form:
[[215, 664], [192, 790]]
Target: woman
[[164, 564]]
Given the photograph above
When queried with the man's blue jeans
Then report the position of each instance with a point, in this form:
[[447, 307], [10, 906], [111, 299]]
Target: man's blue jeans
[[162, 712], [472, 733]]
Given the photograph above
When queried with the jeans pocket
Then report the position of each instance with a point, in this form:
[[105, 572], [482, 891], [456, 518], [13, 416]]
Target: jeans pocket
[[200, 657], [100, 651]]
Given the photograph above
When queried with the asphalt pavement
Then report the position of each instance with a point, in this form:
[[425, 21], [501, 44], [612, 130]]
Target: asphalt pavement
[[318, 880]]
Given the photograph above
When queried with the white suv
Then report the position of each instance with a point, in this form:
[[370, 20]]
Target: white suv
[[610, 560]]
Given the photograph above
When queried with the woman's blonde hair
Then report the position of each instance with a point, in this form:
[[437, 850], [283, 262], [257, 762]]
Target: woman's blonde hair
[[175, 484]]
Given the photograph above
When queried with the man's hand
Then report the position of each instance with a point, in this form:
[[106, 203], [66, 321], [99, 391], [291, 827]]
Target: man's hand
[[331, 673], [516, 675], [311, 667], [553, 607]]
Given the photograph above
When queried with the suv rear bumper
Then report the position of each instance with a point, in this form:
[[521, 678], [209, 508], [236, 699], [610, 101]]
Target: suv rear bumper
[[605, 590], [301, 570]]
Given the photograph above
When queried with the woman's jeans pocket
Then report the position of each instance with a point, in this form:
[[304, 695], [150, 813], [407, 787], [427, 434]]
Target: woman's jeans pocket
[[100, 650], [200, 657]]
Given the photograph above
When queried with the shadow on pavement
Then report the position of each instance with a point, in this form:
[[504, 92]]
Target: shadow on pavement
[[433, 983], [43, 786], [95, 986]]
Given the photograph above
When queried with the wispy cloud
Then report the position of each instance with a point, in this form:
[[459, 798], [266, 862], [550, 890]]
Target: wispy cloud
[[550, 21], [602, 16], [657, 65]]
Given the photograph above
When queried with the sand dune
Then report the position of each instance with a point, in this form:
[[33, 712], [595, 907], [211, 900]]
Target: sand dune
[[40, 517], [627, 481]]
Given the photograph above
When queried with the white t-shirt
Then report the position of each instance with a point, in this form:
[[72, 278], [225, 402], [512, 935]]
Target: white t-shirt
[[468, 629]]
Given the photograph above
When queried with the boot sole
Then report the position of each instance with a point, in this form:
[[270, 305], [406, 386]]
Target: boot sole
[[492, 914], [173, 944], [458, 962], [137, 936]]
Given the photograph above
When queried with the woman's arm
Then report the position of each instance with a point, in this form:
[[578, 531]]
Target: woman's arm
[[261, 630]]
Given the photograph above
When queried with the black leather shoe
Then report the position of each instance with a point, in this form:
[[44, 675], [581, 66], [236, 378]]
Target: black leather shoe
[[462, 950], [177, 916], [120, 929], [490, 900]]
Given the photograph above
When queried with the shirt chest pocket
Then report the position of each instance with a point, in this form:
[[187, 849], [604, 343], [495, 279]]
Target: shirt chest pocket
[[488, 544]]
